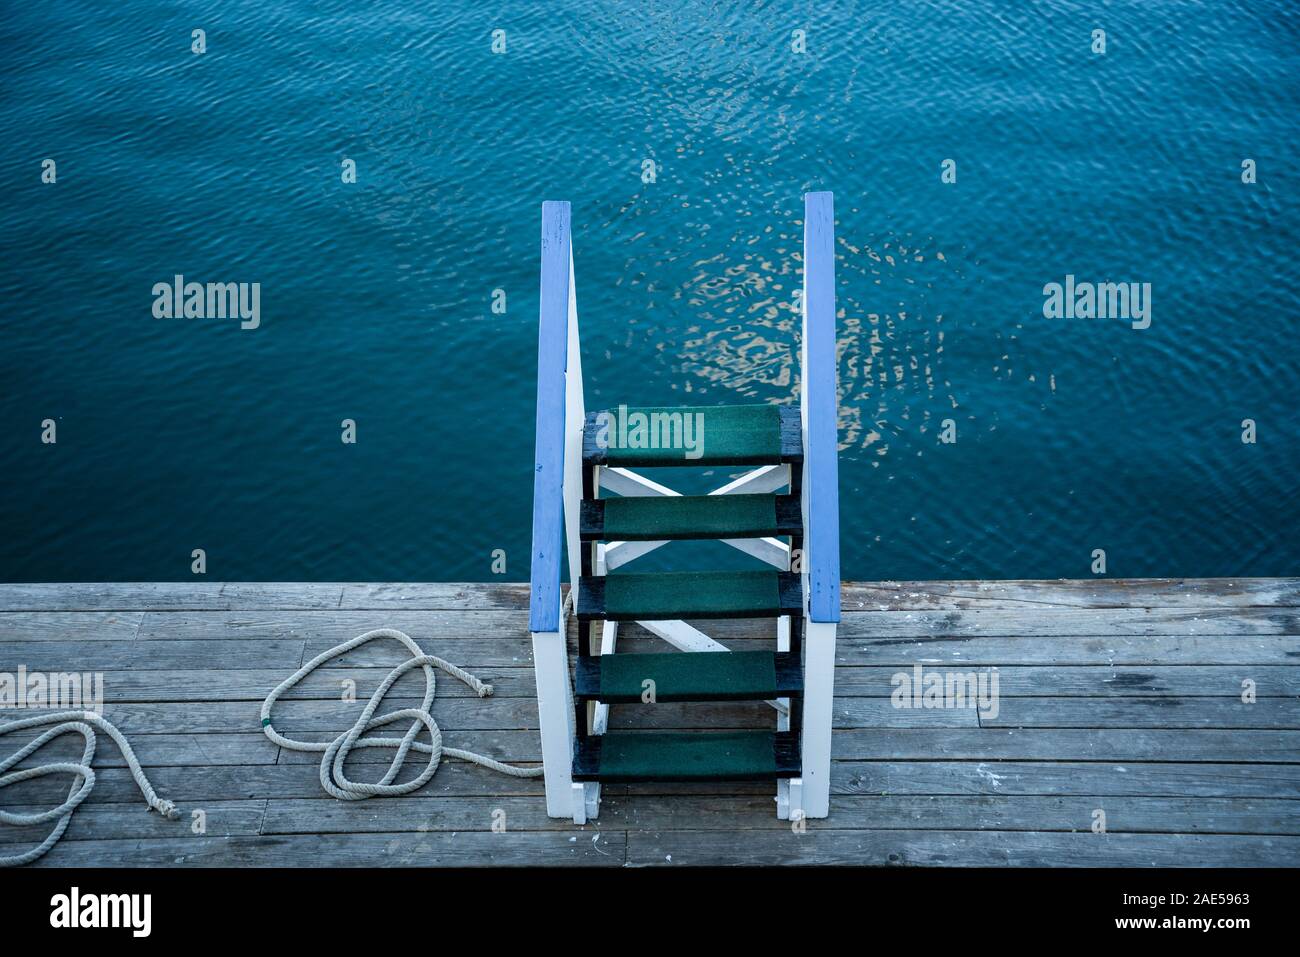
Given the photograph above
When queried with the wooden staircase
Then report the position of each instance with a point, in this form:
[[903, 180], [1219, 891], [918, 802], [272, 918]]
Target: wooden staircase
[[783, 511], [737, 435]]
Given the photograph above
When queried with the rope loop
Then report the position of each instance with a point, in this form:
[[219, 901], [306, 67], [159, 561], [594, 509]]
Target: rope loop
[[335, 753], [83, 778]]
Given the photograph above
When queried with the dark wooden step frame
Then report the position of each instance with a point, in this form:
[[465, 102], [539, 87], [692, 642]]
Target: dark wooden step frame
[[785, 757], [789, 681]]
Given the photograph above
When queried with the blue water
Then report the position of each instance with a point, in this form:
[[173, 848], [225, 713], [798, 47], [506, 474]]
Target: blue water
[[1073, 434]]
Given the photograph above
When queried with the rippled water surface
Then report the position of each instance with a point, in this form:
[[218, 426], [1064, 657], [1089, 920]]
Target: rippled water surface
[[376, 303]]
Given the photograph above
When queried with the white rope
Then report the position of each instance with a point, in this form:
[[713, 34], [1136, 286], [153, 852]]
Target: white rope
[[79, 722], [336, 752]]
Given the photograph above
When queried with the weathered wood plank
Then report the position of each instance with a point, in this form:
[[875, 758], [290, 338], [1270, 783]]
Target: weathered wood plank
[[330, 627], [144, 596], [1109, 650], [1074, 593], [1112, 779], [1093, 681], [469, 653], [588, 847], [153, 750], [464, 596], [154, 656], [327, 683], [192, 787], [992, 812], [414, 813], [1108, 744], [101, 821], [1034, 778], [1061, 622], [69, 625], [958, 848], [1266, 713]]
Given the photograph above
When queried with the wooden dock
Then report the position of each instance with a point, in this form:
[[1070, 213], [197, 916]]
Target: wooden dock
[[1124, 697]]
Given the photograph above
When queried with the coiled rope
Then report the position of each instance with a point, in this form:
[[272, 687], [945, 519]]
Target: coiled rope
[[336, 753], [79, 722]]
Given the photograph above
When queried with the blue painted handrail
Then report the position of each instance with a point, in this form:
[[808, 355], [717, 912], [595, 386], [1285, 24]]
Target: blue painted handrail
[[548, 470], [821, 409]]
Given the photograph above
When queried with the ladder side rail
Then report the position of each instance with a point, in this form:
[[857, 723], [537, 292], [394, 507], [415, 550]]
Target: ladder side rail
[[820, 496], [550, 655]]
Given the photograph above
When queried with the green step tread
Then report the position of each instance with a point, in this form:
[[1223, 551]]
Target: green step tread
[[625, 756], [689, 676], [725, 435], [650, 518], [665, 596]]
